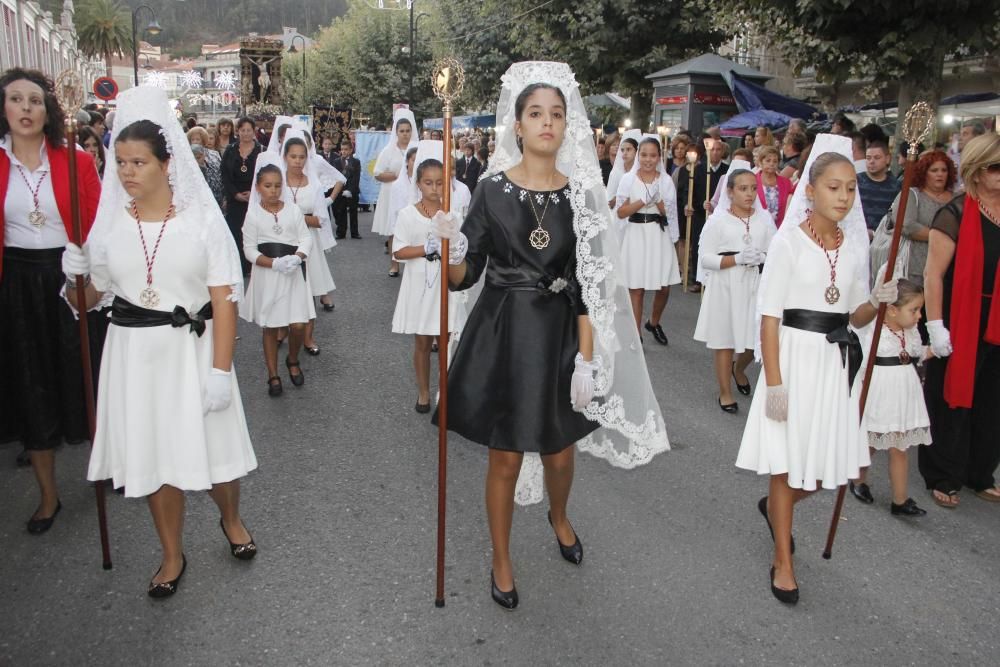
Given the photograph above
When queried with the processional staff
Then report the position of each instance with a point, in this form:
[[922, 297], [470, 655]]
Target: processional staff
[[918, 125]]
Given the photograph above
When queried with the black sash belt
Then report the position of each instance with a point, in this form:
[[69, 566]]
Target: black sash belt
[[643, 218], [276, 250], [834, 325], [127, 314], [894, 361]]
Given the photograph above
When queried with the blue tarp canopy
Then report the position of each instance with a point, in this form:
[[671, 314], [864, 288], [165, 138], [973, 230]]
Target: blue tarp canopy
[[751, 96], [462, 122], [751, 119]]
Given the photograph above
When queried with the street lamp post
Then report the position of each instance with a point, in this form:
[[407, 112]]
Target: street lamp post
[[153, 29], [292, 49]]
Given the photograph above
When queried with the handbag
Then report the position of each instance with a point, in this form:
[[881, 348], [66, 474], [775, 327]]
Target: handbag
[[878, 253]]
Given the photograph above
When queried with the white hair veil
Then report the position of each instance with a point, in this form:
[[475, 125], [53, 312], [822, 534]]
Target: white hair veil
[[665, 187], [190, 190], [316, 180], [632, 429], [853, 225], [618, 168], [273, 145]]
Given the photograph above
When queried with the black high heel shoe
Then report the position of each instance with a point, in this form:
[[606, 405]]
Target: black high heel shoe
[[788, 597], [572, 553], [297, 380], [241, 551], [165, 589], [506, 599], [762, 508]]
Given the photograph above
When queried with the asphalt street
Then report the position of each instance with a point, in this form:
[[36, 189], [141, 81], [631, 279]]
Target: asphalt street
[[343, 509]]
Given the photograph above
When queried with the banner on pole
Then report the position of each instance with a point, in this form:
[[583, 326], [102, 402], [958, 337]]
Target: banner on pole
[[367, 147]]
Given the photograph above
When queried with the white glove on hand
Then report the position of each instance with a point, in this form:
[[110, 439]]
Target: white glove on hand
[[776, 406], [75, 261], [940, 338], [581, 388], [346, 194], [294, 262], [432, 246], [445, 226], [883, 292], [749, 257], [218, 392], [280, 263]]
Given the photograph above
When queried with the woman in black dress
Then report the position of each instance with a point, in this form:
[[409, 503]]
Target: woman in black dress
[[523, 377], [238, 164]]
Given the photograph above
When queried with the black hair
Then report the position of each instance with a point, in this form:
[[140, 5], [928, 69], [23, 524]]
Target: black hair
[[83, 134], [404, 120], [295, 141], [280, 131], [797, 140], [483, 154], [879, 143], [244, 120], [630, 140], [148, 132], [824, 162], [653, 142], [858, 139], [522, 101], [734, 174], [95, 117], [266, 169], [54, 117], [907, 290], [428, 164], [346, 142], [411, 152]]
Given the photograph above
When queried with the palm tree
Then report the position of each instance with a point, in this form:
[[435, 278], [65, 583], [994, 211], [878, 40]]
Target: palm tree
[[104, 28]]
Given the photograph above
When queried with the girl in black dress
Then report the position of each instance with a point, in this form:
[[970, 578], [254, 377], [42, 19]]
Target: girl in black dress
[[238, 163], [523, 377]]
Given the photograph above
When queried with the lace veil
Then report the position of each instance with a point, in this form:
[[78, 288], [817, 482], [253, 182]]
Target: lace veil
[[853, 224], [191, 193], [618, 168], [632, 429]]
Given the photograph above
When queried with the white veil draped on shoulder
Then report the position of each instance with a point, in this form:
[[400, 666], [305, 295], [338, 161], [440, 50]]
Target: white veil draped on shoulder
[[191, 193], [632, 429]]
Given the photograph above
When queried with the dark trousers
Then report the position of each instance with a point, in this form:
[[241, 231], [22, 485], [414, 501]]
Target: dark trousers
[[966, 441], [236, 211], [342, 209]]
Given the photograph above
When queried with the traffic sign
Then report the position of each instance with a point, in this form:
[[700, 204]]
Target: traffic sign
[[105, 88]]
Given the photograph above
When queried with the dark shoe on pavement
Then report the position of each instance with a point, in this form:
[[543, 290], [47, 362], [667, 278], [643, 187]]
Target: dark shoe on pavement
[[861, 492], [506, 599], [731, 408], [908, 508], [39, 526], [355, 236], [165, 589], [572, 553], [240, 551], [742, 388], [657, 332], [422, 408], [788, 597], [23, 459], [274, 387]]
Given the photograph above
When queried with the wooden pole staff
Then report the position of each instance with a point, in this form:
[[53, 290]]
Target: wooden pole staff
[[69, 90], [448, 79], [692, 157], [918, 124]]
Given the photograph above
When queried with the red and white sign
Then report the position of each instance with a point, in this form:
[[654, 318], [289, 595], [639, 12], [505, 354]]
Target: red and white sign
[[714, 99], [676, 99]]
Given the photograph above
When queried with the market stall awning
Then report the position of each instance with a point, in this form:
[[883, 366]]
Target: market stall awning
[[751, 96], [750, 119]]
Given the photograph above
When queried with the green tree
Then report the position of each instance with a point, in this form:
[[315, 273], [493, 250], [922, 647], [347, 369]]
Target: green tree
[[612, 45], [881, 40], [104, 29]]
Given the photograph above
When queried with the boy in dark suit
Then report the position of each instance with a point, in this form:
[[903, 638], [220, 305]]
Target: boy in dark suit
[[347, 203]]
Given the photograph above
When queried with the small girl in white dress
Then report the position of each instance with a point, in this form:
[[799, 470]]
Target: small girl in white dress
[[400, 196], [732, 249], [276, 241], [895, 412], [418, 307]]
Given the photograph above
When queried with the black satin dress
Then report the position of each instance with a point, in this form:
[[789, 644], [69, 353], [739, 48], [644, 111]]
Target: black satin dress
[[509, 383]]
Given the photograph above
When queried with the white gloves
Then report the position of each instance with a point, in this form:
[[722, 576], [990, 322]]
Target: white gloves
[[446, 226], [581, 388], [776, 406], [346, 194], [940, 338], [652, 196], [75, 261], [218, 392], [749, 257], [432, 245], [286, 264], [883, 292]]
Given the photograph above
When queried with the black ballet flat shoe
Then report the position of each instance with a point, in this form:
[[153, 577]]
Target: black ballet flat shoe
[[394, 274], [506, 599], [240, 551], [788, 597], [861, 492], [312, 351], [23, 459], [340, 236], [434, 346], [908, 508], [274, 387], [657, 332], [572, 553], [165, 589], [762, 508], [742, 388], [731, 408], [297, 380], [355, 236], [39, 526], [328, 307], [422, 408]]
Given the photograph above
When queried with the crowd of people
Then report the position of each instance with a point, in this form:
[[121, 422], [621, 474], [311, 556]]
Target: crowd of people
[[552, 231]]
